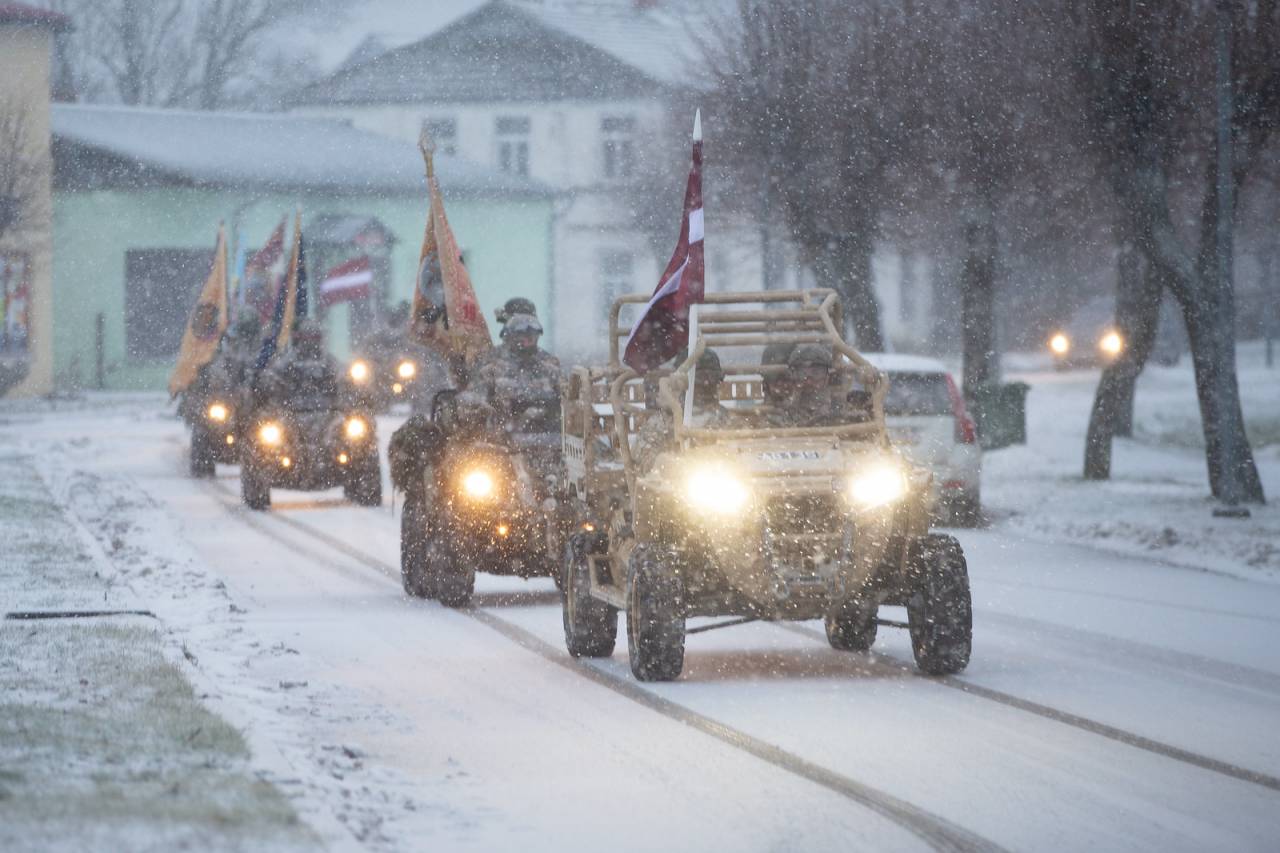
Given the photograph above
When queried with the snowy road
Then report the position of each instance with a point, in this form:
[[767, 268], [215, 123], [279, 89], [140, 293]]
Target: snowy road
[[1112, 702]]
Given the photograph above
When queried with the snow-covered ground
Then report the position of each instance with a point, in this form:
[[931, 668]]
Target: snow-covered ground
[[1123, 691]]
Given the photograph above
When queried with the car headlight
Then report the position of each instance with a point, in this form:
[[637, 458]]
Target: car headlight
[[478, 485], [407, 370], [270, 433], [218, 412], [881, 485], [1060, 344], [716, 490], [356, 428], [359, 371], [1111, 343]]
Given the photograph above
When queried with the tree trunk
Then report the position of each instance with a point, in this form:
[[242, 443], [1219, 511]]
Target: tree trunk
[[978, 308], [845, 266]]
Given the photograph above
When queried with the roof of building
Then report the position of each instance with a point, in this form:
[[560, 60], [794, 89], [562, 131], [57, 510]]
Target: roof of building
[[507, 52], [21, 13], [260, 150]]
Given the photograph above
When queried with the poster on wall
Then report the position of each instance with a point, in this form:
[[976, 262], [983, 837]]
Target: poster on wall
[[15, 317]]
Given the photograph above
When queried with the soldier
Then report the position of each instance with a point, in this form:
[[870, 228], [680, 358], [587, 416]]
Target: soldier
[[775, 387], [807, 398], [518, 391], [306, 377], [515, 305], [657, 433], [228, 372]]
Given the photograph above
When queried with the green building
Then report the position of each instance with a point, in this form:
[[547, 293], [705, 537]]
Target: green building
[[139, 193]]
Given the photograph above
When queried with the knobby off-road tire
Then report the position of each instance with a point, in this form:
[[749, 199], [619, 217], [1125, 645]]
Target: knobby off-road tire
[[255, 491], [590, 625], [852, 626], [202, 457], [454, 582], [939, 611], [364, 487], [655, 615], [414, 573]]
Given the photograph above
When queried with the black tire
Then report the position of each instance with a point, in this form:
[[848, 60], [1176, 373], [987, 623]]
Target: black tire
[[454, 583], [364, 487], [939, 611], [255, 491], [202, 452], [851, 627], [414, 574], [590, 625], [655, 616]]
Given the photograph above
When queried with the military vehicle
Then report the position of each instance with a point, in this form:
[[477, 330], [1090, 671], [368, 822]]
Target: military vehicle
[[214, 434], [747, 519], [329, 442], [473, 502]]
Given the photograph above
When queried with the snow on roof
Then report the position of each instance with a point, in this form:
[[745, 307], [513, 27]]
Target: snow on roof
[[267, 150], [892, 362]]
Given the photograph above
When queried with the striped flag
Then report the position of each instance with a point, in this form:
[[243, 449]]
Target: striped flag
[[291, 300], [206, 324], [663, 327], [347, 281]]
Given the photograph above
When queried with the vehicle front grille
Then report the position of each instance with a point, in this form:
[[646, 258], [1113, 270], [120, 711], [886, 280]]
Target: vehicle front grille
[[813, 514]]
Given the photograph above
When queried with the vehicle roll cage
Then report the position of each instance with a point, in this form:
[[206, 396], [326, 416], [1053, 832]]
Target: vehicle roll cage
[[791, 317]]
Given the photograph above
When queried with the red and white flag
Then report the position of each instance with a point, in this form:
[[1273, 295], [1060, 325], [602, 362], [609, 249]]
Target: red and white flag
[[663, 327], [347, 281]]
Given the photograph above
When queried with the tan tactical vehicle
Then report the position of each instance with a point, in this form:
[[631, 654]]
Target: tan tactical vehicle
[[749, 519]]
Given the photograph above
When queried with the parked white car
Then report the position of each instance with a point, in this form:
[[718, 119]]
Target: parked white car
[[926, 418]]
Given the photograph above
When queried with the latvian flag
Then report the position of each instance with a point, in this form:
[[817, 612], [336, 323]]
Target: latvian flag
[[663, 327], [347, 282]]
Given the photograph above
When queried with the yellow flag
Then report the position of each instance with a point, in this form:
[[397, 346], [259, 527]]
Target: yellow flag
[[206, 324], [446, 313]]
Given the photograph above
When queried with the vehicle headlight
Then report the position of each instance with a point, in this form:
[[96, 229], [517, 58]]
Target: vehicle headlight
[[270, 433], [359, 371], [1111, 343], [1060, 344], [356, 428], [882, 485], [478, 485], [218, 412], [407, 369], [716, 490]]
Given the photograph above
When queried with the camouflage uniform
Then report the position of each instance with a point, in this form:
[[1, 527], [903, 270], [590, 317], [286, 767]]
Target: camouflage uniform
[[305, 378], [520, 391], [227, 375], [803, 404], [657, 433]]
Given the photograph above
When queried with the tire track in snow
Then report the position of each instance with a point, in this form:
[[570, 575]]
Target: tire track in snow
[[1076, 721], [936, 831]]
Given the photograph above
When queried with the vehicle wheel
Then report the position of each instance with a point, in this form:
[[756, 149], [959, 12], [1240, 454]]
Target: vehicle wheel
[[255, 491], [590, 625], [413, 549], [202, 458], [852, 626], [655, 616], [454, 584], [939, 611], [364, 487]]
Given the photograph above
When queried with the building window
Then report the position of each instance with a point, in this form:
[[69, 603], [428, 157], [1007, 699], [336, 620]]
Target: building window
[[443, 133], [160, 287], [513, 144], [618, 146], [615, 275]]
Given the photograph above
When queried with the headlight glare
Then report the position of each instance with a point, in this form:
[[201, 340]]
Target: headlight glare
[[1111, 343], [407, 369], [478, 485], [359, 371], [218, 412], [1060, 344], [356, 428], [270, 433], [881, 485], [716, 490]]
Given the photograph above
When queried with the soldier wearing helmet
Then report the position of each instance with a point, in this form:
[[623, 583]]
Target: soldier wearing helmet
[[518, 392], [305, 376], [806, 396], [658, 432], [515, 305]]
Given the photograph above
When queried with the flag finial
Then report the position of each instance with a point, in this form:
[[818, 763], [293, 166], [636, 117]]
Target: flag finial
[[697, 125], [428, 148]]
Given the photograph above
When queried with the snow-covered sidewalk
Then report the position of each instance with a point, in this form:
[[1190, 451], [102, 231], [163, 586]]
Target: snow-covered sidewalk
[[104, 744]]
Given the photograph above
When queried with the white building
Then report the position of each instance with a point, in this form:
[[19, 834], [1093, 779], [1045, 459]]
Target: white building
[[573, 95]]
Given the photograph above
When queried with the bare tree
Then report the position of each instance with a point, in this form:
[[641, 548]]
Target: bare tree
[[1150, 117], [24, 167]]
